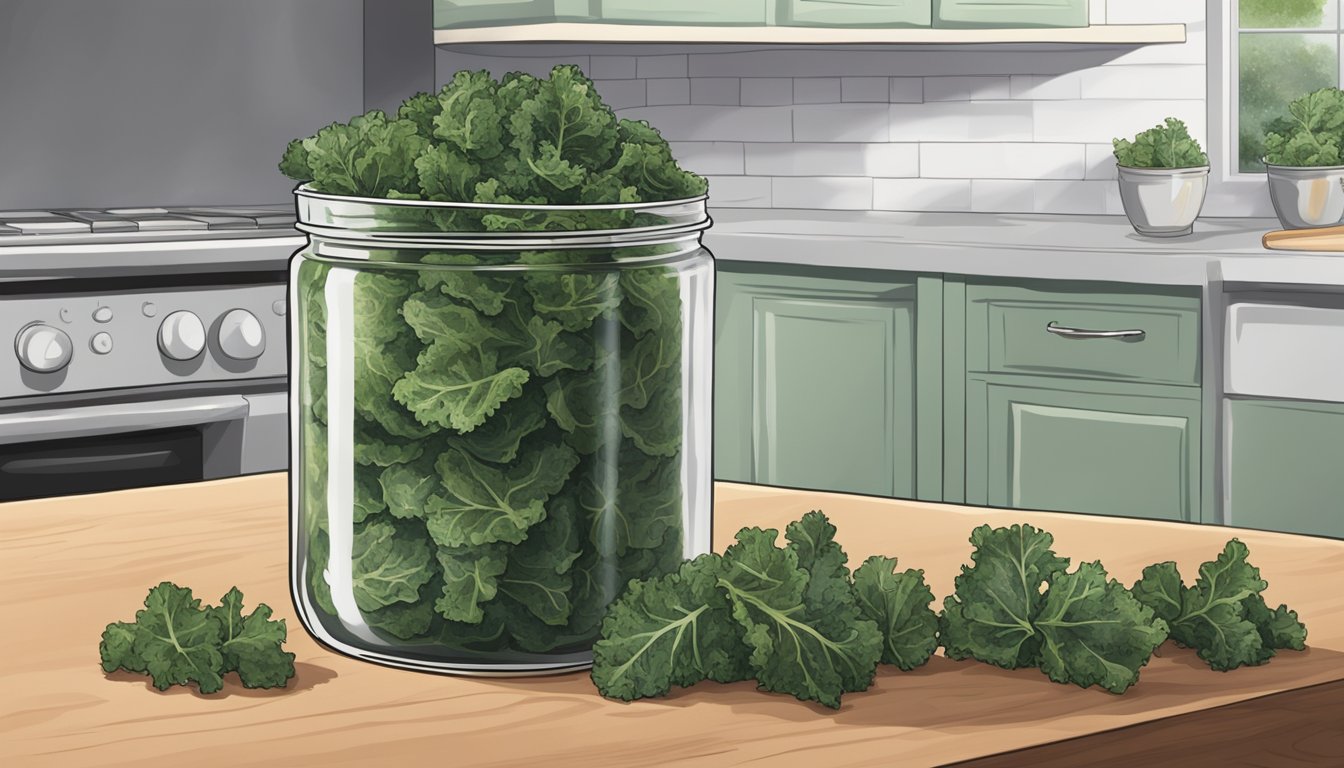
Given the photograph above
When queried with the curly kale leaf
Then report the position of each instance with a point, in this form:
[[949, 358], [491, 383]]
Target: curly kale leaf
[[989, 617], [420, 109], [469, 119], [1165, 146], [406, 488], [671, 630], [797, 646], [482, 504], [1312, 134], [637, 512], [376, 448], [899, 604], [172, 640], [1223, 616], [470, 578], [457, 390], [1094, 632], [388, 566], [580, 404], [650, 169], [251, 643], [560, 130], [538, 574], [445, 174], [368, 494], [574, 300], [812, 539], [370, 156]]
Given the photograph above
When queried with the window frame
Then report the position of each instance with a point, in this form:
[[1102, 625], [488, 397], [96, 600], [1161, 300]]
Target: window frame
[[1232, 192]]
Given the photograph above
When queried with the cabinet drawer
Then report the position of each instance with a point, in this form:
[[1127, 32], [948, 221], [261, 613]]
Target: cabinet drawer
[[478, 13], [1009, 13], [1276, 350], [1131, 337], [685, 11], [887, 13]]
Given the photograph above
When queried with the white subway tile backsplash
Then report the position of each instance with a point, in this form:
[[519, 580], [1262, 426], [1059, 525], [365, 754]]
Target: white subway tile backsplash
[[830, 193], [739, 191], [962, 121], [723, 91], [1097, 122], [1071, 196], [707, 123], [965, 88], [662, 66], [1100, 161], [622, 94], [841, 122], [816, 90], [865, 89], [906, 90], [675, 90], [1003, 196], [922, 194], [766, 91], [710, 158], [612, 68], [1013, 129], [1002, 160], [832, 159], [1144, 81]]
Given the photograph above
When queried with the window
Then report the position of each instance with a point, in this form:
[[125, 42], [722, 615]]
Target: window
[[1281, 50]]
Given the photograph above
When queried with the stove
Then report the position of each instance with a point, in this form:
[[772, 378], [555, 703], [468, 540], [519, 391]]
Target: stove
[[146, 346]]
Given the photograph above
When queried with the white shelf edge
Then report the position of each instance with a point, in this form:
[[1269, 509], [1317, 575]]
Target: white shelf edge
[[597, 32]]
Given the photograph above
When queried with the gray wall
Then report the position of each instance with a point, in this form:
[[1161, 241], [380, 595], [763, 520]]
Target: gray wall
[[116, 103]]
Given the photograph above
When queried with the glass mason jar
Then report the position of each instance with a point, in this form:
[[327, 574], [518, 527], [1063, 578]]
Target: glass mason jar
[[500, 414]]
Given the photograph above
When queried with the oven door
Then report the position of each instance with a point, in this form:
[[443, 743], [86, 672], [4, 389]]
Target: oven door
[[105, 447]]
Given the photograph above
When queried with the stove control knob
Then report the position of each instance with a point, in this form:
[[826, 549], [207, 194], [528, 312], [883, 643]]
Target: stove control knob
[[181, 336], [43, 349], [241, 336]]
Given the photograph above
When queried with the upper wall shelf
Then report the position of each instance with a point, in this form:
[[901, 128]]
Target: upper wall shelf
[[1097, 34]]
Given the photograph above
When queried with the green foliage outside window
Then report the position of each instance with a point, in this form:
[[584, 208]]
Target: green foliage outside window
[[1281, 14]]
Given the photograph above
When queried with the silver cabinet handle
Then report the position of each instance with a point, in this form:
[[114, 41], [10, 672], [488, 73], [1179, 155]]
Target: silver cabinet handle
[[1081, 333]]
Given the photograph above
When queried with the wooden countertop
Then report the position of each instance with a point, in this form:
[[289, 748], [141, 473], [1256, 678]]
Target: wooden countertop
[[72, 565]]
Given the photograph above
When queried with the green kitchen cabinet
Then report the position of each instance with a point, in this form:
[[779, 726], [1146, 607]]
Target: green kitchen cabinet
[[816, 381], [856, 13], [1075, 445], [449, 14], [689, 12], [1285, 466], [1009, 13]]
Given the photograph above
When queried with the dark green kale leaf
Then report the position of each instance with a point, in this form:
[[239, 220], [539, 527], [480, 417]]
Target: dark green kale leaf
[[798, 646], [561, 130], [388, 566], [581, 404], [470, 578], [671, 630], [370, 156], [574, 300], [653, 301], [407, 621], [172, 640], [406, 488], [1165, 146], [650, 169], [1279, 628], [637, 512], [1161, 590], [990, 616], [1094, 632], [482, 504], [251, 643], [469, 120], [457, 390], [374, 447], [899, 604], [368, 494], [420, 109], [538, 574], [445, 174], [481, 290], [812, 539]]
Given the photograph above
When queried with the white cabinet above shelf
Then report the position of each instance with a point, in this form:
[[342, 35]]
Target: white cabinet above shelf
[[1096, 34]]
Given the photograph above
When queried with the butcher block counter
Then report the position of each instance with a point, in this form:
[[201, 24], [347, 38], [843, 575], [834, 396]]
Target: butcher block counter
[[69, 566]]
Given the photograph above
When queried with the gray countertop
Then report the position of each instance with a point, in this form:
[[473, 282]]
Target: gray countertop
[[1017, 245]]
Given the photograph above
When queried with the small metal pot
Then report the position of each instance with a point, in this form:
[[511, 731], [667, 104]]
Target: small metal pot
[[1307, 197], [1163, 202]]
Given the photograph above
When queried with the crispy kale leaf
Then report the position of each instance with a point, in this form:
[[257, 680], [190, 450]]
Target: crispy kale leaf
[[671, 630], [1223, 616], [990, 617], [1165, 146], [899, 604], [481, 504], [797, 646], [1094, 632], [177, 642], [251, 643], [388, 566], [470, 578], [1312, 134]]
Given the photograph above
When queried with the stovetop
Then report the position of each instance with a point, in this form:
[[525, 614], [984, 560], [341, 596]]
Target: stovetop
[[111, 242]]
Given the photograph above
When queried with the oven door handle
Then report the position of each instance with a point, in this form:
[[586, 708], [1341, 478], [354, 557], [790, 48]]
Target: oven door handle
[[113, 418]]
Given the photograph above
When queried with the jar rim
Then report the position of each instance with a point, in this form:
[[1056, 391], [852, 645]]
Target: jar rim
[[306, 190]]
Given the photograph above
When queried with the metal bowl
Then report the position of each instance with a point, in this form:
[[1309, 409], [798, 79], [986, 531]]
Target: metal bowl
[[1307, 197]]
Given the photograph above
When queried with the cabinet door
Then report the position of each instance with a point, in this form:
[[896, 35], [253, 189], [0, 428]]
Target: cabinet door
[[475, 13], [1074, 446], [685, 11], [1285, 468], [1010, 13], [815, 383], [887, 13]]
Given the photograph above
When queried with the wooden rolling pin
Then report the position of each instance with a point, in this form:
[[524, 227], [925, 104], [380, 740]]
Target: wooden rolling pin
[[1318, 239]]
